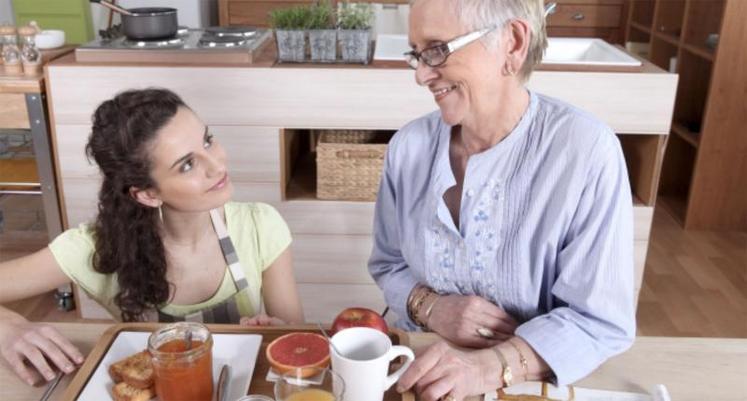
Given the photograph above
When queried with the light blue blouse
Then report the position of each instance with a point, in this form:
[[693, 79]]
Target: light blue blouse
[[545, 231]]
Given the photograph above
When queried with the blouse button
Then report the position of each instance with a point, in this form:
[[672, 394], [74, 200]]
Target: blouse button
[[470, 193]]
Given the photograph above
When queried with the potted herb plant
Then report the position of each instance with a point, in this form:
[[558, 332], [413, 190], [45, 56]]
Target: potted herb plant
[[322, 33], [289, 25], [354, 21]]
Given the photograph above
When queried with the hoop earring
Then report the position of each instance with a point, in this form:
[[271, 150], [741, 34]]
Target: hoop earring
[[160, 214]]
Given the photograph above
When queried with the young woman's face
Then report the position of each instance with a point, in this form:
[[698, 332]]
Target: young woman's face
[[189, 165]]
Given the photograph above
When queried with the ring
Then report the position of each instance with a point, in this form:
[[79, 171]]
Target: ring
[[485, 332], [449, 397]]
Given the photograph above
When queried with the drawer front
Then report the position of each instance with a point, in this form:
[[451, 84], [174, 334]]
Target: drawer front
[[255, 13], [585, 15]]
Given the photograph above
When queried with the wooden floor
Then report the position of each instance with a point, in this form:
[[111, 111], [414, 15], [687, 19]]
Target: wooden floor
[[695, 282]]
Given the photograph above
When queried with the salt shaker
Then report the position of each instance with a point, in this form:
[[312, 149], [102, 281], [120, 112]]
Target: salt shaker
[[11, 54]]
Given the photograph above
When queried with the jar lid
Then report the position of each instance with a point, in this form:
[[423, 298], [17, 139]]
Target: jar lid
[[27, 30], [7, 30], [255, 397]]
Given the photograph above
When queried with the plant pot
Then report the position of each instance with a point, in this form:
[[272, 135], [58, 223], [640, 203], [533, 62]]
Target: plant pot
[[291, 45], [355, 44], [323, 43]]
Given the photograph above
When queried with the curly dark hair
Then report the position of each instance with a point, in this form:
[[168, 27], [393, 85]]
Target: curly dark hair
[[127, 238]]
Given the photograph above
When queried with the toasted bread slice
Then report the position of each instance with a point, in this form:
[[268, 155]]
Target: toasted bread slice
[[125, 392], [135, 370]]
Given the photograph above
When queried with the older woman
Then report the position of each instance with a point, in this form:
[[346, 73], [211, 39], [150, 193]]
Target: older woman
[[504, 219]]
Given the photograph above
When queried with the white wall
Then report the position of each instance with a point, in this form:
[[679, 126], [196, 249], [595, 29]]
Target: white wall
[[6, 12]]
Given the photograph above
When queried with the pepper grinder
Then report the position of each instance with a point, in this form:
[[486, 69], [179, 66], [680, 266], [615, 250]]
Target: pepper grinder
[[30, 54]]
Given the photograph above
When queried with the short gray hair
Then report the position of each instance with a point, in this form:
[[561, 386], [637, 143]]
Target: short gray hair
[[480, 14]]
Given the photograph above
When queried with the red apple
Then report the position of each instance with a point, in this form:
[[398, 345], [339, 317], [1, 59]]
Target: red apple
[[359, 317]]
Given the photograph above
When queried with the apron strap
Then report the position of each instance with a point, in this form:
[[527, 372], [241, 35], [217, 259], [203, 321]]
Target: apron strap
[[229, 252]]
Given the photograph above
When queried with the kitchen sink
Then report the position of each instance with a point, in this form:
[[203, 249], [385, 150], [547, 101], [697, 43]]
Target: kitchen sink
[[569, 51], [586, 51]]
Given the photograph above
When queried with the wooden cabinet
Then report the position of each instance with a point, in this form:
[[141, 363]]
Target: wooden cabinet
[[704, 175], [252, 12], [588, 18]]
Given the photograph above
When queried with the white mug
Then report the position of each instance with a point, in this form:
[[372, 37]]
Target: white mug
[[363, 362]]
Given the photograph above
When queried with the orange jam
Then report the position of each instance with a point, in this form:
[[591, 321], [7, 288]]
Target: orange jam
[[182, 374]]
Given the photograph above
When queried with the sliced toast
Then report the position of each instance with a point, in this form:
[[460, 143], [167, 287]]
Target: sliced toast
[[135, 370], [125, 392]]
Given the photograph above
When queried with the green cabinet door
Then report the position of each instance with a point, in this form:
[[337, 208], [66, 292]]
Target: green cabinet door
[[71, 16]]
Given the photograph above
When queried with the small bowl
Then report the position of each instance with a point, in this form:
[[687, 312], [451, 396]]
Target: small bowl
[[50, 39]]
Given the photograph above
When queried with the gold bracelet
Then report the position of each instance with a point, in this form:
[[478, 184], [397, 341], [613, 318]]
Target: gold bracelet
[[522, 360], [417, 296], [507, 376]]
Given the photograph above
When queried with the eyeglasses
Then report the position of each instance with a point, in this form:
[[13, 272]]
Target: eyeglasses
[[436, 55]]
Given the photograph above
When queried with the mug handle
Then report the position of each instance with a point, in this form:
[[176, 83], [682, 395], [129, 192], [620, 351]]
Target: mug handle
[[395, 352]]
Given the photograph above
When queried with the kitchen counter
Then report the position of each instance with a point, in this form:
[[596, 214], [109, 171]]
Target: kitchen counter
[[693, 369]]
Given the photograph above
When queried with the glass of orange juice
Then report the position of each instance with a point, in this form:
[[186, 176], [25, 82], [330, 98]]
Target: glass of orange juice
[[297, 385], [182, 362]]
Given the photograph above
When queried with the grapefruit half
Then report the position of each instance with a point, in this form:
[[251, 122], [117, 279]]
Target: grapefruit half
[[303, 351]]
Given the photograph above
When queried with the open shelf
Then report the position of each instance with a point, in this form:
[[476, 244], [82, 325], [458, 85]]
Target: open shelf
[[640, 28], [299, 165], [669, 18], [668, 37], [662, 53], [676, 174], [642, 153], [704, 19], [702, 52], [692, 91], [684, 133], [643, 12]]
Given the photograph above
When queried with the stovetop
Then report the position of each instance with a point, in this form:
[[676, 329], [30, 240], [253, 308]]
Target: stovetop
[[208, 39]]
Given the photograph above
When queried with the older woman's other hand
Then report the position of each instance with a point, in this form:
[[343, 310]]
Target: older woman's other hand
[[471, 321], [35, 351], [261, 320], [442, 370]]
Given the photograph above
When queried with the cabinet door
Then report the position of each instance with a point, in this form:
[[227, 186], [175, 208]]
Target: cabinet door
[[252, 12], [71, 16]]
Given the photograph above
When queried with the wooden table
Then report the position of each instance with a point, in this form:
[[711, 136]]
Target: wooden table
[[693, 369]]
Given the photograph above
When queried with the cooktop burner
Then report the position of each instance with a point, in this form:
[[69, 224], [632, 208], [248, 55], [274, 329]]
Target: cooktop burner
[[174, 43], [236, 31], [220, 41], [224, 44]]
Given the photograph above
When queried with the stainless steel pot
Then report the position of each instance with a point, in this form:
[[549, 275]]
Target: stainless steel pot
[[146, 23]]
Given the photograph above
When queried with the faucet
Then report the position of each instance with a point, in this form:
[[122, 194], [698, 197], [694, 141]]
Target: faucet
[[550, 8]]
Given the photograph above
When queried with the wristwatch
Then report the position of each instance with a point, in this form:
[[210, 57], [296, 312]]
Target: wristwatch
[[506, 375]]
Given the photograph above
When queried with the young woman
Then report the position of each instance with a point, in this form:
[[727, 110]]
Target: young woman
[[167, 245]]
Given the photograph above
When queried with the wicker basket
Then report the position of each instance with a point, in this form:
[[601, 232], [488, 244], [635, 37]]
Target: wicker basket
[[349, 164]]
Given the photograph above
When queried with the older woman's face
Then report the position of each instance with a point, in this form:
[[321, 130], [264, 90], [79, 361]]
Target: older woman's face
[[469, 78], [189, 165]]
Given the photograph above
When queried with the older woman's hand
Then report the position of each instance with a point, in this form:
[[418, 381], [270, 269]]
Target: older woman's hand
[[442, 370], [462, 318]]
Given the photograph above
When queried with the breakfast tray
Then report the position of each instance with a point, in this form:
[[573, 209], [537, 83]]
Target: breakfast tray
[[258, 383]]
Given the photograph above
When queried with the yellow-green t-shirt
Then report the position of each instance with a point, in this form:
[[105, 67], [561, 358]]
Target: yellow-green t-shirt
[[257, 231]]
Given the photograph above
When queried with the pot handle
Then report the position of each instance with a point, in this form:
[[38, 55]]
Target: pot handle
[[113, 7]]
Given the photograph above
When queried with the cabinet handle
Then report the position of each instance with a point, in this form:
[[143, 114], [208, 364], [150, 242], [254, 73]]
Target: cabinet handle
[[578, 16]]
